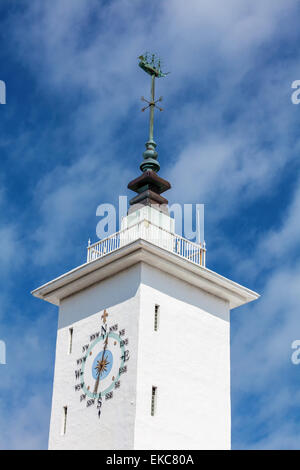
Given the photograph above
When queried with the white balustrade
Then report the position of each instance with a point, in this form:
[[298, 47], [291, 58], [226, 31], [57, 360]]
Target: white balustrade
[[152, 233]]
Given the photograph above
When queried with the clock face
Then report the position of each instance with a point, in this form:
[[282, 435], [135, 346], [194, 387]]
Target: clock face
[[103, 364]]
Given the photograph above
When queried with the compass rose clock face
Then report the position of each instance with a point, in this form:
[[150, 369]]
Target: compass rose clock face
[[102, 365]]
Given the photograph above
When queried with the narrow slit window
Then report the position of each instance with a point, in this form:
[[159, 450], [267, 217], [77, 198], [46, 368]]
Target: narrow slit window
[[156, 317], [70, 340], [64, 423], [153, 400]]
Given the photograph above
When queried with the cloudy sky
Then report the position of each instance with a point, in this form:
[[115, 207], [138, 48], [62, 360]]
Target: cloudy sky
[[72, 137]]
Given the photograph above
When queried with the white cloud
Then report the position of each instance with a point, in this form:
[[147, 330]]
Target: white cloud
[[25, 386], [227, 140], [26, 427], [263, 334]]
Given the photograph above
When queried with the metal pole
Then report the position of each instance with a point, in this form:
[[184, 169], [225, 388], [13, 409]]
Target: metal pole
[[152, 106]]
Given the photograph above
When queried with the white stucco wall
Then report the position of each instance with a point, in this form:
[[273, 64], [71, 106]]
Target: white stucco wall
[[188, 360], [115, 429]]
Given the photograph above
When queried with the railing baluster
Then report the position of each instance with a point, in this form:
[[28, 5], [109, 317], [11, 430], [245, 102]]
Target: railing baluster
[[154, 234]]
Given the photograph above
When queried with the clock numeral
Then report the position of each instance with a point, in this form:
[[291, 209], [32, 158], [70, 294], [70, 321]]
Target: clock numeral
[[85, 348], [125, 356], [124, 342], [81, 360], [99, 405], [90, 402], [109, 395], [99, 402], [82, 397], [117, 384], [122, 370], [78, 387], [78, 374], [94, 336], [114, 327], [103, 330], [122, 332]]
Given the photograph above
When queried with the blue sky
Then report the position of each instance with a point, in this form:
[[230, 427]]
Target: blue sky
[[72, 137]]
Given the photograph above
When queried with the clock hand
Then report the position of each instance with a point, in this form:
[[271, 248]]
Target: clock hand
[[100, 367], [97, 383]]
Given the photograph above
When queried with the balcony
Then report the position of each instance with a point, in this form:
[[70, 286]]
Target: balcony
[[154, 234]]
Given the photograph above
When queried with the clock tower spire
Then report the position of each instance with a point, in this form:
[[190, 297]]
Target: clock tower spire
[[149, 186]]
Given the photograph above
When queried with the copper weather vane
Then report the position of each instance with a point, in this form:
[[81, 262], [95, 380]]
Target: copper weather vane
[[151, 65]]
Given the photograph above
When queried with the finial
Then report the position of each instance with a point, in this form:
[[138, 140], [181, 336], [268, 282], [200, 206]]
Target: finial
[[152, 68]]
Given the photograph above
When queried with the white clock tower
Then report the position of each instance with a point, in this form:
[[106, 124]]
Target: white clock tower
[[143, 340]]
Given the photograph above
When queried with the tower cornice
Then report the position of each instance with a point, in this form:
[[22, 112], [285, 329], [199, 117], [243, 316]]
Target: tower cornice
[[141, 251]]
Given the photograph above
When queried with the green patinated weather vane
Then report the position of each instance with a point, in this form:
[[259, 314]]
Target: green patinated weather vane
[[151, 65]]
